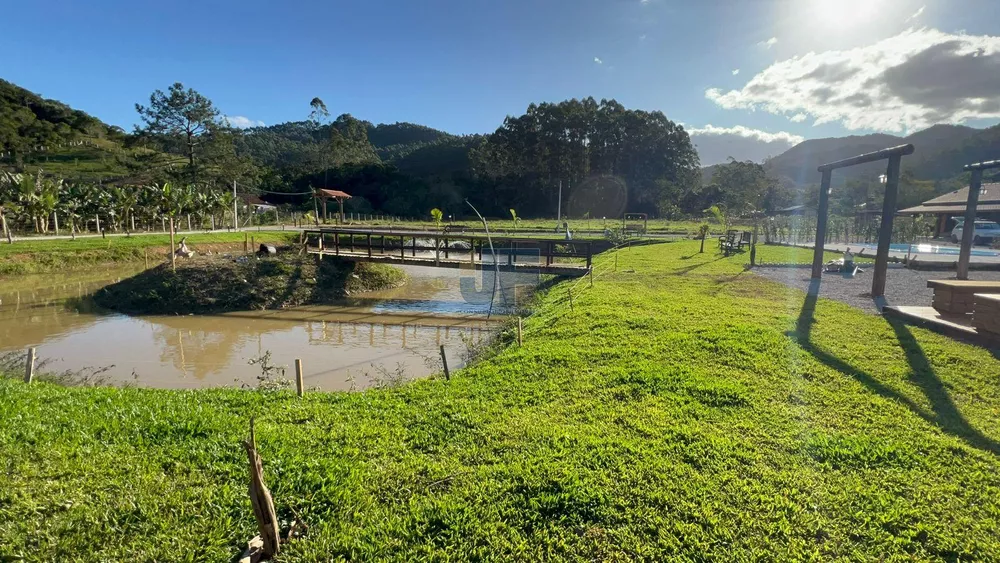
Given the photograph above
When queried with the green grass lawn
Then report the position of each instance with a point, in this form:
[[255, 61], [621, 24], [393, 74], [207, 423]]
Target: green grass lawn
[[682, 409], [32, 256]]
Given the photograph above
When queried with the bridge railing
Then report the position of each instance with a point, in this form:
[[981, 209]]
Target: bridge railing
[[442, 246]]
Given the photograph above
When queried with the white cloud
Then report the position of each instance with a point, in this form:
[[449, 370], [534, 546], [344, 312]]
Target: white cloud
[[598, 61], [717, 144], [240, 122], [906, 82], [917, 14], [741, 131], [642, 37], [769, 43], [798, 118], [736, 71]]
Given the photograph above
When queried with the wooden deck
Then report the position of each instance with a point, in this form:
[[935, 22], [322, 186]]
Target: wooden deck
[[953, 325]]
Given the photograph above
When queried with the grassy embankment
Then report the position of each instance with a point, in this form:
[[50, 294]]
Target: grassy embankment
[[683, 408], [212, 284], [37, 256]]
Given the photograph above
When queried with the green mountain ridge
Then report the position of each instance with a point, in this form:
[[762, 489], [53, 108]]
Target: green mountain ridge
[[40, 133], [940, 153]]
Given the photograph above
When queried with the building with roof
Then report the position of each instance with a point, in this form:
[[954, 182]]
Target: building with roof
[[324, 195], [952, 205]]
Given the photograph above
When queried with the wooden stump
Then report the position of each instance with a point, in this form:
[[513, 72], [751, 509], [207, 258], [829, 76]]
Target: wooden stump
[[261, 501]]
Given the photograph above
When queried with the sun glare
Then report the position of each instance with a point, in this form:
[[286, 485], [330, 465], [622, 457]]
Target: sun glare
[[845, 14]]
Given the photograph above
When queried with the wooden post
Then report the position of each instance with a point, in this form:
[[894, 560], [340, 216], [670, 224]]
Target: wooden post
[[29, 366], [299, 381], [885, 232], [570, 291], [246, 243], [173, 254], [824, 203], [145, 257], [444, 360], [520, 340], [968, 235], [591, 276]]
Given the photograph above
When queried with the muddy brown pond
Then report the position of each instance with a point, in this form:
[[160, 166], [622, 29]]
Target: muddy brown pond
[[363, 341]]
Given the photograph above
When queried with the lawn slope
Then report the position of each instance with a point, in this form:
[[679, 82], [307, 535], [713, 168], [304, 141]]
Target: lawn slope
[[682, 408]]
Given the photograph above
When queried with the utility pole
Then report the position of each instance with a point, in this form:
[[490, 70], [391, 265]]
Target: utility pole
[[559, 205], [236, 219]]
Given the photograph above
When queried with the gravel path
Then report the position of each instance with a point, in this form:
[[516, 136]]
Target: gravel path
[[902, 286]]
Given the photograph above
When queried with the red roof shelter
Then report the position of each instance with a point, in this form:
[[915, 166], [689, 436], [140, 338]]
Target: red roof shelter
[[326, 195]]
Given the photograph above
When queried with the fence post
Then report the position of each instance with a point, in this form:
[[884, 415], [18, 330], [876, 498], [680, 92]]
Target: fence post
[[29, 366], [299, 381], [444, 360], [520, 340]]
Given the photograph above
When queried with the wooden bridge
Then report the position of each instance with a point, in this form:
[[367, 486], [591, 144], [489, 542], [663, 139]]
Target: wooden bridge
[[452, 250]]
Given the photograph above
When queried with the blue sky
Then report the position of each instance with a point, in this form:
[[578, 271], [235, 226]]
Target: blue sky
[[462, 66]]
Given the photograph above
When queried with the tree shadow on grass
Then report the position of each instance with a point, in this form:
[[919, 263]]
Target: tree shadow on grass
[[945, 414]]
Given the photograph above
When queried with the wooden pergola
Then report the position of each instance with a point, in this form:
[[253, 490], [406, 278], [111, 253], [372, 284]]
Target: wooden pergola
[[895, 156], [326, 195]]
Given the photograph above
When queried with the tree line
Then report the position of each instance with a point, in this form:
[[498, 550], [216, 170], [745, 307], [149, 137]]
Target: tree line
[[577, 157]]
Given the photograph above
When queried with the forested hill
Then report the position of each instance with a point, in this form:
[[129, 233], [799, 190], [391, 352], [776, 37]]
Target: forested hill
[[600, 157], [29, 122], [941, 151], [396, 140]]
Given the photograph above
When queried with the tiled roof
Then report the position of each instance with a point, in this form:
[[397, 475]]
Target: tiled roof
[[954, 209], [955, 202], [992, 195], [332, 193]]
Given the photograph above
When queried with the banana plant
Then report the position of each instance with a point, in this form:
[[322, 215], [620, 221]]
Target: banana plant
[[37, 198], [121, 202], [174, 201], [516, 219], [71, 205], [8, 200]]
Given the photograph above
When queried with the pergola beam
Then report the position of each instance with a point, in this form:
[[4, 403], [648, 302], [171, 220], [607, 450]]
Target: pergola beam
[[901, 150]]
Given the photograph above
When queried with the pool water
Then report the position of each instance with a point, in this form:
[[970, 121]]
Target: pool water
[[928, 249]]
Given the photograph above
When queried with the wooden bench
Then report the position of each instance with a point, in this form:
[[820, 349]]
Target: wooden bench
[[958, 296], [986, 313]]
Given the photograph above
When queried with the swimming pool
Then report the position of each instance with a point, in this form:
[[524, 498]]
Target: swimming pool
[[926, 249]]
